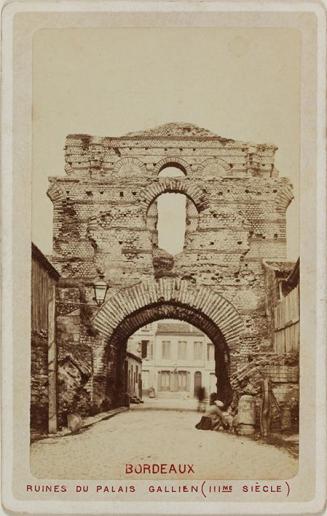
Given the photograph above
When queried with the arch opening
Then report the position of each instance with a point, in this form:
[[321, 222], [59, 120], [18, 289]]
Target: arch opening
[[171, 216], [196, 195], [117, 348], [172, 169], [171, 222], [173, 161], [169, 360]]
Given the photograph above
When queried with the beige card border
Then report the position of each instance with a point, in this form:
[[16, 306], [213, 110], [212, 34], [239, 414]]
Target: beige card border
[[16, 230]]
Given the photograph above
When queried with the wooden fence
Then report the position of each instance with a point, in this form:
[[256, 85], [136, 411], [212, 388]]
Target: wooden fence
[[287, 323]]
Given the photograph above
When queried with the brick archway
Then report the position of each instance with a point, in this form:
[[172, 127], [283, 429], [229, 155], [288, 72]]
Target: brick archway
[[203, 300], [206, 164], [131, 165], [174, 185], [173, 161], [134, 307]]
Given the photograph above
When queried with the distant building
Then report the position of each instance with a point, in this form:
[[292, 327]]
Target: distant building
[[134, 371], [177, 358]]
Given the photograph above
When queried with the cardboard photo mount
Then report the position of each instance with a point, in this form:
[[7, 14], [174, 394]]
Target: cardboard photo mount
[[27, 28]]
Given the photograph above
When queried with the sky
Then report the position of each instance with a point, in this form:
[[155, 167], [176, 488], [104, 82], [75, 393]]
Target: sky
[[239, 83]]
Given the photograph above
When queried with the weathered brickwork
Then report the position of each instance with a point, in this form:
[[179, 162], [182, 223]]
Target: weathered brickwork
[[105, 218]]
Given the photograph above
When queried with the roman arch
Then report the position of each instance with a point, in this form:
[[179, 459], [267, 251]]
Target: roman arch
[[105, 225], [144, 303]]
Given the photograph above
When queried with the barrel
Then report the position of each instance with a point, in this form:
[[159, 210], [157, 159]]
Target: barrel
[[246, 415]]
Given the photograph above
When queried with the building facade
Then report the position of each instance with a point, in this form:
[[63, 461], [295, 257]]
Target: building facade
[[177, 358]]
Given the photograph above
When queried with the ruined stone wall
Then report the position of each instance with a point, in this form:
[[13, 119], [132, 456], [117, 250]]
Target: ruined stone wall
[[105, 218], [39, 383]]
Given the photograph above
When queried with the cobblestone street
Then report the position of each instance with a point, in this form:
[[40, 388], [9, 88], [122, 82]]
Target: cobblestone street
[[142, 436]]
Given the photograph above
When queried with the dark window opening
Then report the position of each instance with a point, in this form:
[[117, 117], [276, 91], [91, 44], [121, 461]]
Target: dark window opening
[[144, 348]]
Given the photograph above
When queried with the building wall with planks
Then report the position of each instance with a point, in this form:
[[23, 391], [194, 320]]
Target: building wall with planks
[[287, 323], [283, 314], [43, 347]]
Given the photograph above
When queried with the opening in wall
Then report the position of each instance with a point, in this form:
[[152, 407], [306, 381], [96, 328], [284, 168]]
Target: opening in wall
[[171, 224], [171, 217], [171, 172]]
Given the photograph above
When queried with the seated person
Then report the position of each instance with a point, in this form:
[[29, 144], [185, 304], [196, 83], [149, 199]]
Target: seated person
[[215, 412], [214, 418]]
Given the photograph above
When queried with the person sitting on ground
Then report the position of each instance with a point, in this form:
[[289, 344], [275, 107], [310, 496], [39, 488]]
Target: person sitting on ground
[[213, 419], [217, 414]]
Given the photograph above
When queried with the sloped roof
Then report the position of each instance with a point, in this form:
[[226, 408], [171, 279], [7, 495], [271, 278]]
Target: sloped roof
[[177, 328], [44, 261], [282, 268], [292, 279]]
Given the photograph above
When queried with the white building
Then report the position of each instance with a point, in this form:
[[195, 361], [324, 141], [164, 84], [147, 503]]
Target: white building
[[176, 359], [133, 365]]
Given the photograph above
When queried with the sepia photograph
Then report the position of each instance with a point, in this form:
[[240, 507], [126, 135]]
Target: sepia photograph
[[169, 295], [169, 267]]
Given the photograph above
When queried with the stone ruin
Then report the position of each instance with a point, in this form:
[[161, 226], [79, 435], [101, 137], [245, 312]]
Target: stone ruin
[[105, 226]]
